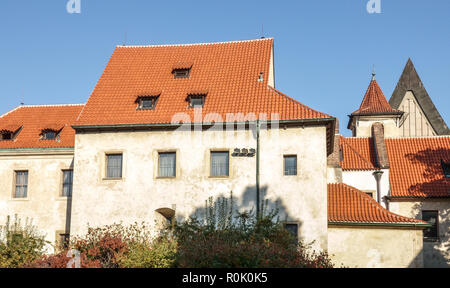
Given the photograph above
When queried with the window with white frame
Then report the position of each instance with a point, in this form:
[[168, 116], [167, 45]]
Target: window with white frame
[[220, 162], [114, 166], [167, 164], [21, 187]]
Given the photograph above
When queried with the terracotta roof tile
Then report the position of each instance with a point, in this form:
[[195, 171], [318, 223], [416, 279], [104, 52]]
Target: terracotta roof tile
[[375, 102], [228, 71], [34, 119], [416, 169], [358, 154], [347, 204]]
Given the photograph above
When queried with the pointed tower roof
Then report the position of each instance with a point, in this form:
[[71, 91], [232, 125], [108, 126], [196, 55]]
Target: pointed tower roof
[[374, 102], [410, 81]]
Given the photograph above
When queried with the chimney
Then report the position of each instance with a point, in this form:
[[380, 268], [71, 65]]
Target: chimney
[[379, 145], [334, 158]]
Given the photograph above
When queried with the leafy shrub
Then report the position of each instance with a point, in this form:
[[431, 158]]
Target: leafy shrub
[[19, 245]]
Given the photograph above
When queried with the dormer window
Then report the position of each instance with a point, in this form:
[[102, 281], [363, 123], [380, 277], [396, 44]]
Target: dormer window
[[181, 73], [9, 133], [49, 135], [6, 136], [446, 168], [181, 69], [197, 100], [147, 103]]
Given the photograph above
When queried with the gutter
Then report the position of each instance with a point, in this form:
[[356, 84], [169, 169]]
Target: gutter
[[37, 151], [381, 224]]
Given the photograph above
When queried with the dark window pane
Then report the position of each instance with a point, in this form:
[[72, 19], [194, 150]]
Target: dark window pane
[[197, 102], [50, 135], [446, 168], [167, 164], [147, 104], [21, 184], [432, 218], [6, 136], [114, 166], [181, 73], [220, 164], [293, 229], [67, 183], [290, 165]]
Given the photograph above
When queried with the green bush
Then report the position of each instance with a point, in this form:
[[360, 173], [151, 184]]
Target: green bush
[[19, 244]]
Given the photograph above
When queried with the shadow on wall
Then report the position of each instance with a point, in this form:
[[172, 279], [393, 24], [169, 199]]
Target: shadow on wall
[[247, 203], [436, 252]]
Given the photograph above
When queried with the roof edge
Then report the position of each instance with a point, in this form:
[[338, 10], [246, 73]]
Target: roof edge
[[195, 44], [379, 224]]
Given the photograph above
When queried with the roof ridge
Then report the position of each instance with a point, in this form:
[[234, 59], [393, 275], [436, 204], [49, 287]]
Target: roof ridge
[[194, 44], [49, 105], [295, 101], [357, 153]]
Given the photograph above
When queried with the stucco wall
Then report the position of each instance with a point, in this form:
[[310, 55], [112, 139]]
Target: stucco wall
[[44, 205], [301, 198], [436, 254], [365, 181], [364, 126], [365, 247]]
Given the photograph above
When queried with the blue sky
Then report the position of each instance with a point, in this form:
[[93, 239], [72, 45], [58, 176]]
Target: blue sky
[[324, 49]]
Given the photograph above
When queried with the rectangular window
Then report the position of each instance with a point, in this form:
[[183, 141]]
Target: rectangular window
[[220, 162], [181, 73], [64, 240], [292, 229], [147, 103], [67, 183], [114, 166], [446, 168], [21, 190], [290, 165], [167, 164], [431, 217]]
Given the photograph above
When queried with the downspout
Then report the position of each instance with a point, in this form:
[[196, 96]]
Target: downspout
[[258, 128], [377, 175]]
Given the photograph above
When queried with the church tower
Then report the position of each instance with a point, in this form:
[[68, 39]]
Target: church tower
[[375, 109], [421, 117]]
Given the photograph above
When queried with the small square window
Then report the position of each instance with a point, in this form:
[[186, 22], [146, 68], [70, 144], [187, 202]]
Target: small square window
[[21, 187], [64, 240], [196, 101], [290, 165], [432, 217], [114, 166], [370, 194], [49, 135], [446, 169], [181, 73], [147, 103], [220, 162], [6, 136], [292, 228], [167, 164]]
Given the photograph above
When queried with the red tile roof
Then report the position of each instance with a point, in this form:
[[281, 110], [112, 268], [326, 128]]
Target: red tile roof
[[415, 166], [347, 204], [228, 71], [374, 102], [358, 154], [34, 119]]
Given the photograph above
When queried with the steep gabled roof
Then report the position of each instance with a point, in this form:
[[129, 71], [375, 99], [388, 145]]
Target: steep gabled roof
[[32, 120], [348, 205], [228, 72], [357, 154], [416, 167], [410, 81], [374, 102]]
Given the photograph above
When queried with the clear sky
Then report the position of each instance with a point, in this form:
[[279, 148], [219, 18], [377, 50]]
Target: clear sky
[[324, 49]]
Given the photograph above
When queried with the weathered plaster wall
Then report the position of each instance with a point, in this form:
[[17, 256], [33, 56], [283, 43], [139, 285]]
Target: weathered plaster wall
[[436, 254], [44, 204], [364, 126], [366, 247], [301, 198], [365, 181]]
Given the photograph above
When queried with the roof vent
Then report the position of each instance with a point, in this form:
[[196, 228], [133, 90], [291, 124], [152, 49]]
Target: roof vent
[[261, 77]]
